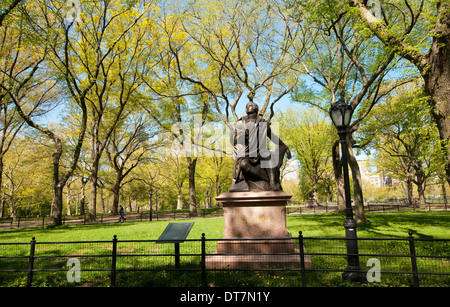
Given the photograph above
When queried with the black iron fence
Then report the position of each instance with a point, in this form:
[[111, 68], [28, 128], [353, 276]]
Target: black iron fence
[[314, 261]]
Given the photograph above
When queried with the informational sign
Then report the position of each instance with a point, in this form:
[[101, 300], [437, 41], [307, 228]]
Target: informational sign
[[175, 232]]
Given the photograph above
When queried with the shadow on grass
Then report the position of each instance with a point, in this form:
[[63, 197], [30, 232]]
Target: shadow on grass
[[424, 225]]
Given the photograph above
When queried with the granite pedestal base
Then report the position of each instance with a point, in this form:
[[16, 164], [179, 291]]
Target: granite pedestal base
[[258, 220]]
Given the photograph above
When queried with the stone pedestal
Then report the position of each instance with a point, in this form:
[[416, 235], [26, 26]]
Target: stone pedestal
[[260, 219], [254, 214]]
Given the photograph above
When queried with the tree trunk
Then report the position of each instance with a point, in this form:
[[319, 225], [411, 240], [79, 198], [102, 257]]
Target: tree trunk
[[440, 104], [68, 200], [57, 186], [409, 190], [444, 195], [437, 78], [315, 195], [95, 155], [12, 207], [421, 192], [2, 207], [57, 205], [179, 201], [83, 196], [337, 167], [2, 201], [116, 198], [102, 201], [92, 208], [358, 199], [192, 162], [434, 66]]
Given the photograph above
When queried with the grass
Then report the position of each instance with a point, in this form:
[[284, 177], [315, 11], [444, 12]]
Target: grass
[[213, 227], [382, 225]]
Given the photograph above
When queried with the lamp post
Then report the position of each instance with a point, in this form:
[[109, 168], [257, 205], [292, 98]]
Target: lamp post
[[150, 193], [341, 115]]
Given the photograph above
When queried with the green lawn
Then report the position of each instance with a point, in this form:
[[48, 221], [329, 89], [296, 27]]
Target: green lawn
[[381, 225]]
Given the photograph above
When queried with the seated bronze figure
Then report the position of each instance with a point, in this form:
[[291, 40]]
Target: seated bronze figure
[[256, 168]]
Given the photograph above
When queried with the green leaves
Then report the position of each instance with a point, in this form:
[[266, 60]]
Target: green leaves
[[309, 136], [405, 137]]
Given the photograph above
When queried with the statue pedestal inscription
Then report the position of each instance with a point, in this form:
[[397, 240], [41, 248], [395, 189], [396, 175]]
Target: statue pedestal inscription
[[258, 220]]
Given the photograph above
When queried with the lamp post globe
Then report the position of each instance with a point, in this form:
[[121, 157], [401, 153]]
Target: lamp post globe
[[341, 114]]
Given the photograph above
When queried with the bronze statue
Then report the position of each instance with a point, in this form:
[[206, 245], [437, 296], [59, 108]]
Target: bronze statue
[[255, 167]]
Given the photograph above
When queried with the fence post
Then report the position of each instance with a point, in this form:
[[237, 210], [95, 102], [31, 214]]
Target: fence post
[[412, 250], [177, 255], [113, 263], [302, 258], [203, 261], [31, 262]]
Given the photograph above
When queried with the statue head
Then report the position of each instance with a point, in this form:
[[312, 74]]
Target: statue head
[[251, 107]]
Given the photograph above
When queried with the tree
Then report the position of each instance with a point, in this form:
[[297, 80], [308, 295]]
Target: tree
[[433, 66], [7, 9], [129, 147], [402, 131], [10, 121], [22, 187], [174, 172], [344, 65], [220, 51], [121, 27], [35, 50], [61, 48], [308, 133], [419, 32], [214, 174], [180, 106], [240, 48]]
